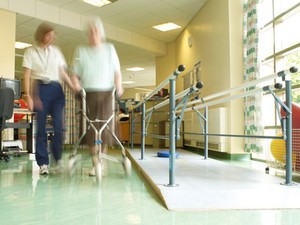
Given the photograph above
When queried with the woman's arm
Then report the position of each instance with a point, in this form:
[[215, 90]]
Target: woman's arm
[[26, 75], [65, 77], [118, 83]]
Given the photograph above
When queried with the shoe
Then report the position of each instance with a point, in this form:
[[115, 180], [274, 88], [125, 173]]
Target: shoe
[[44, 170], [44, 178], [59, 168], [92, 172]]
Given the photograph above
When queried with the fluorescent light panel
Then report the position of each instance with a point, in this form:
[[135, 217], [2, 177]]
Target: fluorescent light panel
[[167, 26], [134, 69], [21, 45], [99, 3]]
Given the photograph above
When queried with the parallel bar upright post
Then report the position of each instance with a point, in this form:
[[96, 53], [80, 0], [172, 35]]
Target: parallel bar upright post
[[206, 132], [132, 129], [172, 133], [143, 131], [289, 134]]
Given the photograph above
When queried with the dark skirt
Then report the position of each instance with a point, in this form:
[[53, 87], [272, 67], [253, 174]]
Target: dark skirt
[[99, 105]]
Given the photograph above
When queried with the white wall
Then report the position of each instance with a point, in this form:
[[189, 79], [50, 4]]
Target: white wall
[[216, 35], [7, 53], [7, 43]]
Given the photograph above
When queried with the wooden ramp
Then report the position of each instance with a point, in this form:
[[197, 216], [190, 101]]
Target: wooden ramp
[[213, 185]]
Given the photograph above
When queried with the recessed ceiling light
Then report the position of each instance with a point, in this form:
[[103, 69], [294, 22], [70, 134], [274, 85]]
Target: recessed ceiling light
[[99, 3], [128, 82], [134, 69], [21, 45], [167, 26]]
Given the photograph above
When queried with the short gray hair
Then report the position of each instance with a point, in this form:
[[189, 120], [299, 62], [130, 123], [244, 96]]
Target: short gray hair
[[95, 21]]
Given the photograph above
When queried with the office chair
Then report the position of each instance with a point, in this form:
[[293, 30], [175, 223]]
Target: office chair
[[6, 112]]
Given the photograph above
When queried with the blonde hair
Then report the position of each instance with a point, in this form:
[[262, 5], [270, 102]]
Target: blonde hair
[[41, 31], [96, 22]]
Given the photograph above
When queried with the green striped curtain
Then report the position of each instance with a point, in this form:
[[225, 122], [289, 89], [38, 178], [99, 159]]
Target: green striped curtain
[[252, 108]]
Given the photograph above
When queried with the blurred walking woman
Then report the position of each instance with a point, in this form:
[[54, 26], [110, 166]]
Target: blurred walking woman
[[96, 69], [44, 68]]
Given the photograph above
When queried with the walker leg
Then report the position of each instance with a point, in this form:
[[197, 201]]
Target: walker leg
[[125, 161], [127, 165], [98, 163], [72, 164], [98, 169]]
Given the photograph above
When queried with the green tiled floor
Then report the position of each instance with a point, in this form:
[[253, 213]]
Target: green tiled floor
[[26, 198]]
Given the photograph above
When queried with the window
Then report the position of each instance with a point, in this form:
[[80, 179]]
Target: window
[[279, 41], [278, 49]]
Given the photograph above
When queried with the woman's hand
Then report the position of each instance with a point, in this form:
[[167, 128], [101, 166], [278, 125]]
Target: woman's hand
[[120, 91], [36, 103], [77, 88], [29, 102]]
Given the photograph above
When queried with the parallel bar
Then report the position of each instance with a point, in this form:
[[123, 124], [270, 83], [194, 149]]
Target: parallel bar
[[247, 84], [173, 111], [174, 75], [166, 137], [177, 96], [233, 97], [286, 76], [226, 99], [236, 135]]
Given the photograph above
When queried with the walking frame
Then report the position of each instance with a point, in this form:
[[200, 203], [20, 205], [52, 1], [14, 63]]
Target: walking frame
[[98, 140]]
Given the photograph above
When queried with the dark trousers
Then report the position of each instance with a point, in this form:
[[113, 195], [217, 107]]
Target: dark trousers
[[53, 101]]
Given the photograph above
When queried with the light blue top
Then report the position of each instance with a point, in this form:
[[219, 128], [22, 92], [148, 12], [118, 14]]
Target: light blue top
[[96, 67]]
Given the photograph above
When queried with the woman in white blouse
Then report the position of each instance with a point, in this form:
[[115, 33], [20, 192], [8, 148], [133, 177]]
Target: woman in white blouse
[[44, 68]]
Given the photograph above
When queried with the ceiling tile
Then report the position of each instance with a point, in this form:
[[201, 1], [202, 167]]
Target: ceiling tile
[[136, 16]]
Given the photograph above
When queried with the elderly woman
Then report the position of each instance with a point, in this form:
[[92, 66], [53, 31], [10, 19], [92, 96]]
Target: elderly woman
[[44, 69], [96, 69]]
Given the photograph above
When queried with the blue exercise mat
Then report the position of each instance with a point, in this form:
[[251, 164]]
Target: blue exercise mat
[[166, 154]]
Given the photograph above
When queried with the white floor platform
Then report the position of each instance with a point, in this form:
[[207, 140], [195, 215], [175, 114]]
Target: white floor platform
[[213, 185]]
